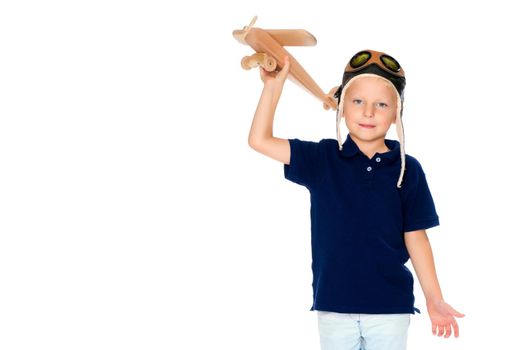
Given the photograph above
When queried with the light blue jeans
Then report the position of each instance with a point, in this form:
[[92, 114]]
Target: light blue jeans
[[343, 331]]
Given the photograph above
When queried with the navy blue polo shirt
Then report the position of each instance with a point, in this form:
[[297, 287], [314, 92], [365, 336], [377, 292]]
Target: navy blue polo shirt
[[358, 221]]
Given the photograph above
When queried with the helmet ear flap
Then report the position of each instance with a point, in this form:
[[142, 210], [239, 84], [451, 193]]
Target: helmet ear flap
[[337, 93]]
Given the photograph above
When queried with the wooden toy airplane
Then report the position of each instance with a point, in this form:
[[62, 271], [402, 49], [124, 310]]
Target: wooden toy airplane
[[268, 45]]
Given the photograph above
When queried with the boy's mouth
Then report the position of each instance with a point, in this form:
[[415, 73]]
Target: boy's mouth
[[367, 126]]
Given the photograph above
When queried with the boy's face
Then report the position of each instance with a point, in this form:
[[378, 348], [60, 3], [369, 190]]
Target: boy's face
[[369, 108]]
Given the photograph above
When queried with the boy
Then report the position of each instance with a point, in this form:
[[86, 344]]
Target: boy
[[370, 206]]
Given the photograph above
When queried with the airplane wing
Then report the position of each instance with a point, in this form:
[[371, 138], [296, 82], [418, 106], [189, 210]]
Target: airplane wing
[[292, 37]]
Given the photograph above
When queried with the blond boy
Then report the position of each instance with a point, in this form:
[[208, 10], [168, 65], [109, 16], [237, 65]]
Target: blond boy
[[370, 207]]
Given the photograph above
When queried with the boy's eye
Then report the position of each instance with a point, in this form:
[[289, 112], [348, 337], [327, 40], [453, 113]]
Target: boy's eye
[[380, 104]]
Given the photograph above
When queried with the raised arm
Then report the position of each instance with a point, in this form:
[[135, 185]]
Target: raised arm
[[261, 136]]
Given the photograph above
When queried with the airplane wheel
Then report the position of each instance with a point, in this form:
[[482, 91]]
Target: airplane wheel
[[259, 59], [269, 64]]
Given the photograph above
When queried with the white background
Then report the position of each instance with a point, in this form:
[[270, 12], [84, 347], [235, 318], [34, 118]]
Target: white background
[[134, 215]]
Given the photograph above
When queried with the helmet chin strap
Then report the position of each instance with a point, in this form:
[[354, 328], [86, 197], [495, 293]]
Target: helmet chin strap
[[401, 137]]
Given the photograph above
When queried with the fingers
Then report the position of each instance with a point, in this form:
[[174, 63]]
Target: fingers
[[286, 68], [440, 330], [445, 330], [456, 328], [278, 75], [448, 331], [266, 75]]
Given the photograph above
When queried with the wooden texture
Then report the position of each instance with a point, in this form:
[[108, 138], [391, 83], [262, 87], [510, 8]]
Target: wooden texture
[[271, 42]]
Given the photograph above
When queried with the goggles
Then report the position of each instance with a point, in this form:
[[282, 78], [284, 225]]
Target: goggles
[[365, 58]]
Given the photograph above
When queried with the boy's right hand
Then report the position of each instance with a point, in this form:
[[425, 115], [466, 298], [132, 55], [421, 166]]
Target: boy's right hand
[[276, 77]]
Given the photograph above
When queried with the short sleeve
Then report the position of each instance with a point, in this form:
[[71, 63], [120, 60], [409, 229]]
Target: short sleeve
[[419, 211], [306, 163]]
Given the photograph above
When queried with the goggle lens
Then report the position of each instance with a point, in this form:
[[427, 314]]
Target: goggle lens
[[390, 63], [359, 59]]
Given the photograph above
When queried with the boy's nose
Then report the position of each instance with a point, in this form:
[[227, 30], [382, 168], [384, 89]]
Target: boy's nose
[[369, 111]]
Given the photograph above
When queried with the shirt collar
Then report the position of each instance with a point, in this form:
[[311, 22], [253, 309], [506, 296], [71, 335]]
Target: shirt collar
[[350, 149]]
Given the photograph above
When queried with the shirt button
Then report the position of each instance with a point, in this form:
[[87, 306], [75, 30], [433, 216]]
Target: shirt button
[[369, 168], [378, 159]]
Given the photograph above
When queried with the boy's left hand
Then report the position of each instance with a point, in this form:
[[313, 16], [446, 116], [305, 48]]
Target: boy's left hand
[[442, 318]]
